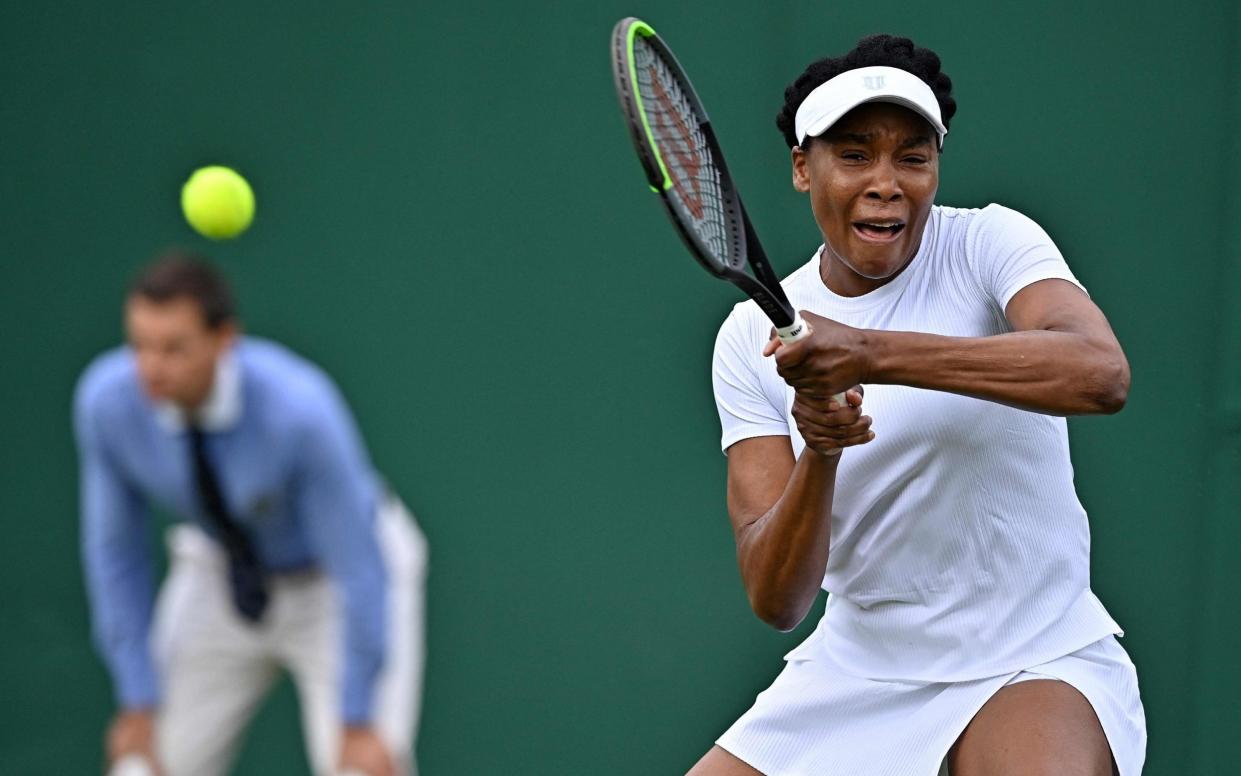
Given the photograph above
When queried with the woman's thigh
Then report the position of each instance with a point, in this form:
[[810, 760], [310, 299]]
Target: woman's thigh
[[718, 762], [1034, 728]]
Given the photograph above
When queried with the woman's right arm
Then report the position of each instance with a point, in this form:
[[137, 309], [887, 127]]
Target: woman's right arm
[[781, 508]]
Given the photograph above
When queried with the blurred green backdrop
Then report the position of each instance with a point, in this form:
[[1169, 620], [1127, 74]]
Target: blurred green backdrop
[[451, 221]]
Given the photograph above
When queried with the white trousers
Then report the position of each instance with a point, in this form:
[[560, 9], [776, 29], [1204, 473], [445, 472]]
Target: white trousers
[[215, 669]]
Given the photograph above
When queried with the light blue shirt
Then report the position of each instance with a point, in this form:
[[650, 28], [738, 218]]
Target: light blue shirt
[[295, 476]]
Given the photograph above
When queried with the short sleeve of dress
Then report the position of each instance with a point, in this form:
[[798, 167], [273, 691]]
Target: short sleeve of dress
[[1008, 251], [744, 407]]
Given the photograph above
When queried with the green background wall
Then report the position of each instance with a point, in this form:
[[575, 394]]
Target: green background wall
[[452, 223]]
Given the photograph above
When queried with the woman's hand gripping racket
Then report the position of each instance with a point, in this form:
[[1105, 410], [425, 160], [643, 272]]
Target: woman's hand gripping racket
[[685, 166]]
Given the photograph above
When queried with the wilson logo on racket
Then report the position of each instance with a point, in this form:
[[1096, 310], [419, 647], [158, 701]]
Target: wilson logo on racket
[[724, 244], [684, 156]]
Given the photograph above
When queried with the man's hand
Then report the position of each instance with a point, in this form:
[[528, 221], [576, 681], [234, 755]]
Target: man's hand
[[830, 360], [132, 732], [362, 751], [827, 427]]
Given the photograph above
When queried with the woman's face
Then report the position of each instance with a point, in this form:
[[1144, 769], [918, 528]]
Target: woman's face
[[872, 180]]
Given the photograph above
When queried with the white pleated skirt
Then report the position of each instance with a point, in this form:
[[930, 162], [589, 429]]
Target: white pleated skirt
[[816, 720]]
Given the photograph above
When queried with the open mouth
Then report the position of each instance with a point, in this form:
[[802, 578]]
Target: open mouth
[[879, 230]]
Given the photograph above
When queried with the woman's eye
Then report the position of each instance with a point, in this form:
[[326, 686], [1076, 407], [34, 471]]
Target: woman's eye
[[852, 155]]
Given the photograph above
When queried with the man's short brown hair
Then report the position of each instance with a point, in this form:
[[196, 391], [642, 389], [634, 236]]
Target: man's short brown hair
[[178, 273]]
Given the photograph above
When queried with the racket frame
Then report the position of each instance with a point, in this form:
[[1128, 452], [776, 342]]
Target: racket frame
[[764, 286]]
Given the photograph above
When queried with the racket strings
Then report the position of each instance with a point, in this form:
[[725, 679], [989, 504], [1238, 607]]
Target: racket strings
[[684, 149]]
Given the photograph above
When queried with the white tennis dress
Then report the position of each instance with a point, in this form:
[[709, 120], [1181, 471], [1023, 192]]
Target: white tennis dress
[[959, 550]]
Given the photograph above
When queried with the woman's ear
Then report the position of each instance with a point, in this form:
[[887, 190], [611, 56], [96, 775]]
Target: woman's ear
[[801, 177]]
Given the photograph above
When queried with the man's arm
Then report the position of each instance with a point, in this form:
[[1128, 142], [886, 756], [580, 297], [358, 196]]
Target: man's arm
[[336, 500], [120, 585], [117, 564]]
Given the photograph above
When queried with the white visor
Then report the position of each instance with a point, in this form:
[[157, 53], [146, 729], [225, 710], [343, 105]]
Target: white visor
[[831, 100]]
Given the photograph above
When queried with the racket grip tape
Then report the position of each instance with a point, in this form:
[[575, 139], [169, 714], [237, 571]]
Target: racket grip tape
[[798, 330]]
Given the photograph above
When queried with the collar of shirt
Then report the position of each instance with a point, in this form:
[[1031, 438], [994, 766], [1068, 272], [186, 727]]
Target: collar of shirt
[[220, 411]]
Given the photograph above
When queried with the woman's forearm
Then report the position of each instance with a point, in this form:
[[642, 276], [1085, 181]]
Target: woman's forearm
[[783, 553], [1056, 372]]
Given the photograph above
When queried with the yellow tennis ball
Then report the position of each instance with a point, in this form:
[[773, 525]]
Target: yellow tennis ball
[[217, 202]]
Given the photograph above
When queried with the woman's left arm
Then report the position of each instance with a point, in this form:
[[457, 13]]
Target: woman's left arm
[[1061, 359]]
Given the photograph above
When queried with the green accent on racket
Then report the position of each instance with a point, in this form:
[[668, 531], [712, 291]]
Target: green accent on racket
[[646, 31]]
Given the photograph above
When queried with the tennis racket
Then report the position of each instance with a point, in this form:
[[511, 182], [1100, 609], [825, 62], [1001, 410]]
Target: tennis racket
[[685, 166]]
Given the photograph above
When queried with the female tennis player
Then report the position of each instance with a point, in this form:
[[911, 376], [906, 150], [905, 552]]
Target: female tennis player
[[961, 633]]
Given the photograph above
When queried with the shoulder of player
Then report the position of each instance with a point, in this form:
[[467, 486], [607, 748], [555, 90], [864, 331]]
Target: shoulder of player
[[969, 233], [973, 223], [746, 321]]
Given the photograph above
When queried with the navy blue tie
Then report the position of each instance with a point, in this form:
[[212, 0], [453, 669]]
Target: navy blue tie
[[245, 572]]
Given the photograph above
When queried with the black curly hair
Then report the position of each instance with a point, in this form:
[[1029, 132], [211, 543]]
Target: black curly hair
[[870, 51]]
